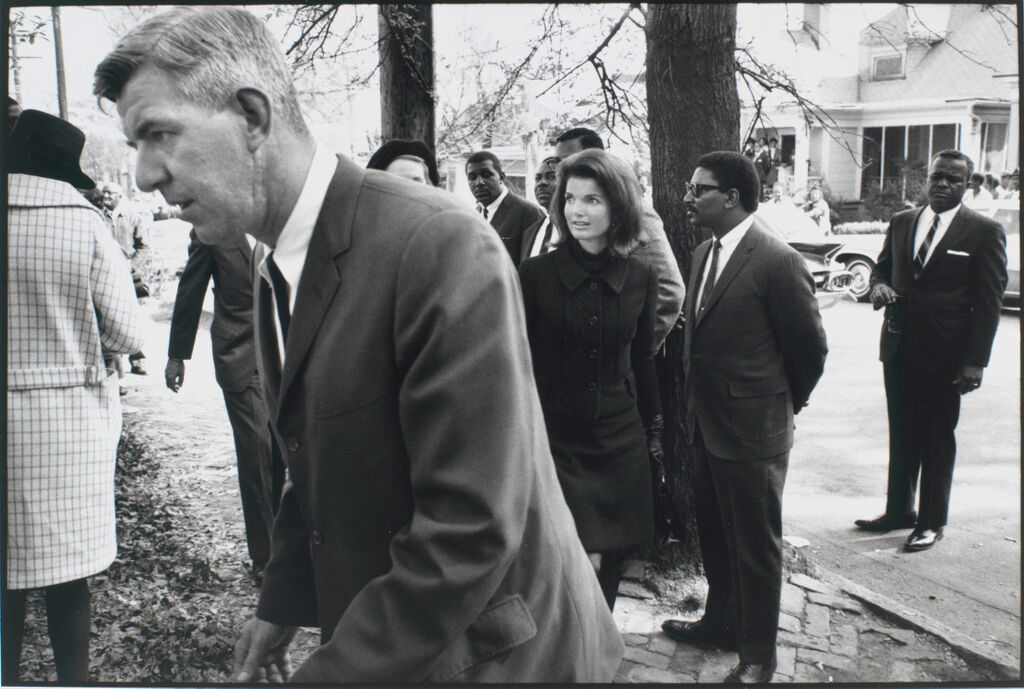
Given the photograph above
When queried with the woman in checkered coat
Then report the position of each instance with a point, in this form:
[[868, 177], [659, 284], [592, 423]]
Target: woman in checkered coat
[[70, 301]]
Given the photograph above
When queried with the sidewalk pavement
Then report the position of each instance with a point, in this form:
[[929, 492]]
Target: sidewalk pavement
[[829, 631]]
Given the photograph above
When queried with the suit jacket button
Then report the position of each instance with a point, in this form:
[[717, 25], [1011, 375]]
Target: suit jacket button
[[592, 320], [593, 286], [292, 444], [592, 387], [316, 538]]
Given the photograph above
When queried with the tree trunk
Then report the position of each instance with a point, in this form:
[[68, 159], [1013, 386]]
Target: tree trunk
[[406, 72], [693, 108]]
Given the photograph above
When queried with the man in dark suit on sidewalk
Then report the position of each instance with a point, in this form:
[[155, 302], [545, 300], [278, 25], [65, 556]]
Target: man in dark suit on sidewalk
[[941, 276], [422, 526], [234, 364], [754, 349], [507, 213]]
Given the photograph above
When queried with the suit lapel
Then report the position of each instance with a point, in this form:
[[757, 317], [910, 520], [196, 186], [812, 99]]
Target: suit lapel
[[907, 254], [951, 237], [739, 258], [699, 256], [320, 274]]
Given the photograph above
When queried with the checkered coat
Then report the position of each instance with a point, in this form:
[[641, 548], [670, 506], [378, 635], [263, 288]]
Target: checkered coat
[[69, 299]]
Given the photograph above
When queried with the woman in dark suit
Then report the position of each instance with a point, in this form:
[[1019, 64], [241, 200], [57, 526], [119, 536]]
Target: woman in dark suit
[[590, 316]]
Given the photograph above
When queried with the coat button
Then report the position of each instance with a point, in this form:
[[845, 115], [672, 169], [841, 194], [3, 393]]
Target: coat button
[[292, 444], [592, 320], [592, 354], [592, 387], [593, 286], [316, 538]]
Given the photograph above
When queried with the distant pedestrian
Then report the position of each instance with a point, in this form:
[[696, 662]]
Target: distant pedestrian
[[754, 348], [590, 316], [817, 209], [129, 230], [409, 158], [976, 192], [940, 276], [69, 302], [507, 213]]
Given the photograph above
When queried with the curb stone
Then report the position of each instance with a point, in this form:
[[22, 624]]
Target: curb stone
[[1002, 664]]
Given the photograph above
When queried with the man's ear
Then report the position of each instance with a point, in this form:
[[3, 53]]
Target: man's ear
[[255, 106]]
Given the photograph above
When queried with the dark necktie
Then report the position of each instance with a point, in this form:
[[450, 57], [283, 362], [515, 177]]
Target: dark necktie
[[483, 211], [280, 295], [922, 253], [709, 284]]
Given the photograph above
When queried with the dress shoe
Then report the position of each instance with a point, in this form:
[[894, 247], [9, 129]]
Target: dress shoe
[[751, 673], [886, 523], [699, 632], [139, 368], [922, 539]]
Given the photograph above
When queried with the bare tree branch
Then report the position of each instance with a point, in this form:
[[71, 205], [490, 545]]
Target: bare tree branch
[[596, 52]]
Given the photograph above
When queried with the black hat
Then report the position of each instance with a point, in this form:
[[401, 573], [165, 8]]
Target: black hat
[[396, 148], [47, 146]]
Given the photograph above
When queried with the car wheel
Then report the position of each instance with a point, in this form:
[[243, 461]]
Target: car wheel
[[860, 272]]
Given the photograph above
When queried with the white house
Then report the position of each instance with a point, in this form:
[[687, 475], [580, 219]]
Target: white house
[[919, 79]]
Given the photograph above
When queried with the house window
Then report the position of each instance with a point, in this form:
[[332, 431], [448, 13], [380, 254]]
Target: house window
[[887, 67], [993, 147], [897, 158]]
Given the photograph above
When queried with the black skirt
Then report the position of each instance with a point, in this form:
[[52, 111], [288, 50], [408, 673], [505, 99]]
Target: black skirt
[[605, 475]]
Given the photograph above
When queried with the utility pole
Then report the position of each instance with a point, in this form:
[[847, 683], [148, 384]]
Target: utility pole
[[15, 62], [58, 48]]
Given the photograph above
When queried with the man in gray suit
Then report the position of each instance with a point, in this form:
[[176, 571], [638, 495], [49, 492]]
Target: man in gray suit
[[754, 349], [234, 363]]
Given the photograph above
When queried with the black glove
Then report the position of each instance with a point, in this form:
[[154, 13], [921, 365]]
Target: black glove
[[654, 430]]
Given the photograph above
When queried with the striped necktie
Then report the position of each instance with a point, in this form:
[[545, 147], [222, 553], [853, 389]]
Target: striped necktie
[[922, 253]]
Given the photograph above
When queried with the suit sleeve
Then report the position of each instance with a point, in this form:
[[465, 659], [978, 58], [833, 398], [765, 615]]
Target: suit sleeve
[[465, 399], [882, 272], [188, 302], [988, 283], [657, 253], [797, 323]]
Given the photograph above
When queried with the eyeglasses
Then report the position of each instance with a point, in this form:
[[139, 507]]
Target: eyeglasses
[[698, 189]]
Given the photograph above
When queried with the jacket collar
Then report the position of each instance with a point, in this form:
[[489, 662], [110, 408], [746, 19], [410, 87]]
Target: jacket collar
[[573, 275]]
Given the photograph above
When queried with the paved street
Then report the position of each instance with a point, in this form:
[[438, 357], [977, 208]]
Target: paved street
[[969, 581]]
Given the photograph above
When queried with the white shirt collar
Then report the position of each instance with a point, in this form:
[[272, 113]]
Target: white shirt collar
[[493, 205], [293, 242], [733, 236]]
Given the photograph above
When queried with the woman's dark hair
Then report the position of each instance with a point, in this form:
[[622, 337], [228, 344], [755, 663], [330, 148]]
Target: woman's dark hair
[[619, 184]]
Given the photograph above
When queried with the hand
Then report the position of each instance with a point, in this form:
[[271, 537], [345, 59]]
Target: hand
[[174, 374], [882, 294], [968, 379], [261, 653], [654, 447], [655, 428]]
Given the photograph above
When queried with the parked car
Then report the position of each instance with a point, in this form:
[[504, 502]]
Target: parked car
[[819, 251]]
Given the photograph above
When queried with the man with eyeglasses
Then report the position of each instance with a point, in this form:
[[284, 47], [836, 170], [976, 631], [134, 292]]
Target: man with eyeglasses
[[940, 275], [652, 245], [754, 348]]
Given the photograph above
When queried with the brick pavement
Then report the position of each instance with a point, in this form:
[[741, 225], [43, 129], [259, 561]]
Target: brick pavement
[[824, 636]]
